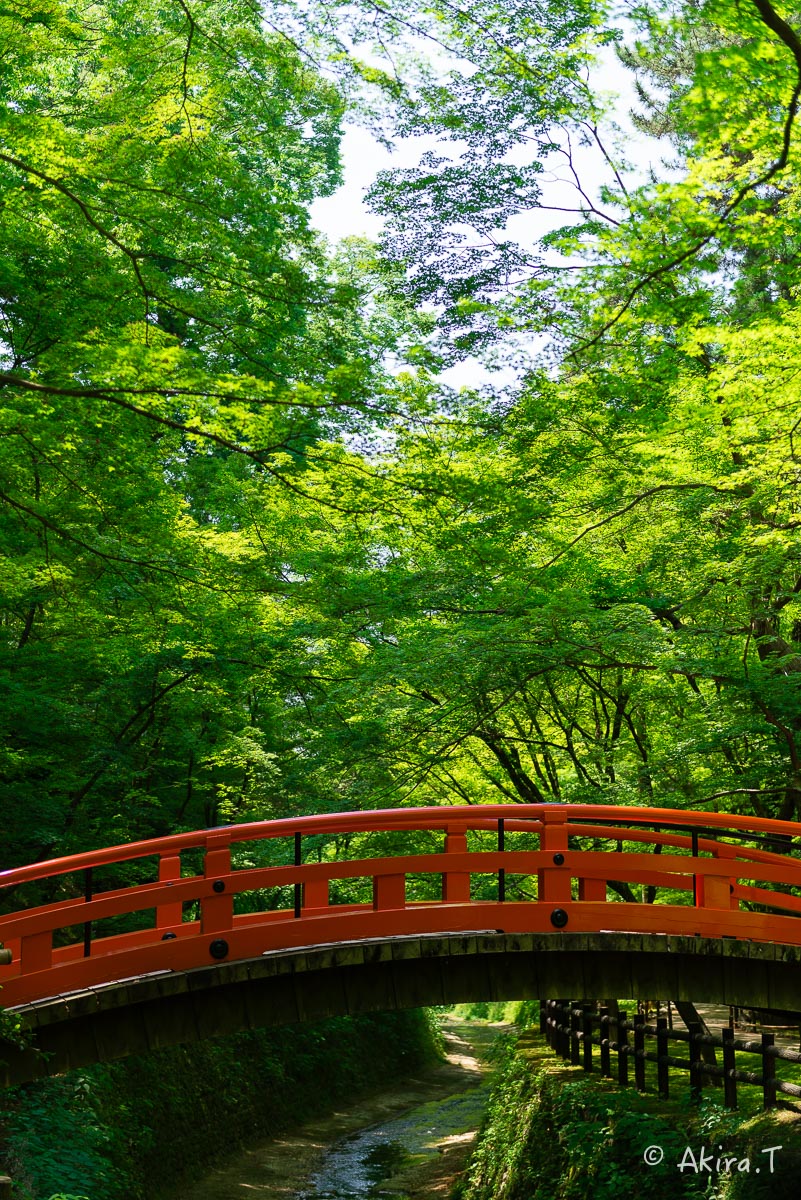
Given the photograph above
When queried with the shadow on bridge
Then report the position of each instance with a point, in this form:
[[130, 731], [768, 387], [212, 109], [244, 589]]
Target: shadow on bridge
[[284, 987]]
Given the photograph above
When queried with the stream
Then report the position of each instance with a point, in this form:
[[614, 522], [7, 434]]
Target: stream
[[406, 1143], [380, 1160]]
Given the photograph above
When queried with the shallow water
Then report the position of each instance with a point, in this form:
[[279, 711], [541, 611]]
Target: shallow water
[[364, 1164]]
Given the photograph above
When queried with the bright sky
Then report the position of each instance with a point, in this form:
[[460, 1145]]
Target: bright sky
[[345, 213]]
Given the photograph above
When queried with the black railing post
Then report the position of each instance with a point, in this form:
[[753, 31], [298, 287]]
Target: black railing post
[[768, 1072], [696, 1064], [298, 887], [87, 925], [586, 1033], [575, 1041], [622, 1049], [639, 1052], [563, 1030], [729, 1067], [662, 1068], [501, 871], [605, 1037]]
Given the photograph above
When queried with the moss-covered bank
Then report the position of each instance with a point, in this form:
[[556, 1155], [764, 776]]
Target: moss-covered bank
[[130, 1130], [553, 1133]]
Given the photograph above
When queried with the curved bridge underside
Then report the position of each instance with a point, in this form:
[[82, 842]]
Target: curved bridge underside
[[166, 1008]]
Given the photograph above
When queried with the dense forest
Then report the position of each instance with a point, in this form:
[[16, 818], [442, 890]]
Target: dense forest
[[258, 557]]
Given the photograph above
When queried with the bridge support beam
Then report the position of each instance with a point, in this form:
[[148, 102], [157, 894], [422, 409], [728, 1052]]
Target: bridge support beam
[[290, 986]]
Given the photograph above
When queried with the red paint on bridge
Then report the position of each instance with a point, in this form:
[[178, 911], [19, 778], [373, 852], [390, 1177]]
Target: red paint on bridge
[[283, 884]]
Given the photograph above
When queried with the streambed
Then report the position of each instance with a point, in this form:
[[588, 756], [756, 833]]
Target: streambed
[[394, 1156], [407, 1142]]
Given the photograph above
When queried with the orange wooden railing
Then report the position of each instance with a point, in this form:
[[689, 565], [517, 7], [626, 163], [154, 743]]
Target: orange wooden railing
[[715, 875]]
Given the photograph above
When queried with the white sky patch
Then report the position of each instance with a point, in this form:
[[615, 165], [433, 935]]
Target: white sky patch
[[345, 213]]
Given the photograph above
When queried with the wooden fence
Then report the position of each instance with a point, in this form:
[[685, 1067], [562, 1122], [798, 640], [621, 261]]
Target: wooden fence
[[575, 1031]]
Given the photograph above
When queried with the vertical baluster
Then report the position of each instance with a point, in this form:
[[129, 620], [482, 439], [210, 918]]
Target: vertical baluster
[[455, 884], [389, 891], [501, 871], [553, 881], [36, 952], [298, 897], [168, 915], [217, 911], [87, 925]]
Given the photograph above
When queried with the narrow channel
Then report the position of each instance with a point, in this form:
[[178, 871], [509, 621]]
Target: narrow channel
[[407, 1142]]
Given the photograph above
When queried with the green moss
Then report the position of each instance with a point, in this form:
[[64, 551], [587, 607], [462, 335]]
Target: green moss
[[124, 1131], [553, 1133]]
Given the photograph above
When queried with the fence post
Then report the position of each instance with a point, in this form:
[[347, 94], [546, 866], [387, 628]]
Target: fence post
[[696, 1078], [556, 1012], [768, 1072], [605, 1034], [5, 1187], [563, 1029], [639, 1052], [586, 1033], [575, 1043], [622, 1048], [662, 1068], [729, 1066]]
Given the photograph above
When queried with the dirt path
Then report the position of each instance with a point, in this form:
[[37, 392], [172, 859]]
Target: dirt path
[[279, 1168]]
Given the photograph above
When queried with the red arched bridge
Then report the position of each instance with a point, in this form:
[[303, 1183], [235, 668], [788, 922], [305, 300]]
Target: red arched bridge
[[644, 901]]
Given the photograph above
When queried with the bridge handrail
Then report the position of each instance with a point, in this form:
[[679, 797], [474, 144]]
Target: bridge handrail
[[384, 820], [704, 855]]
